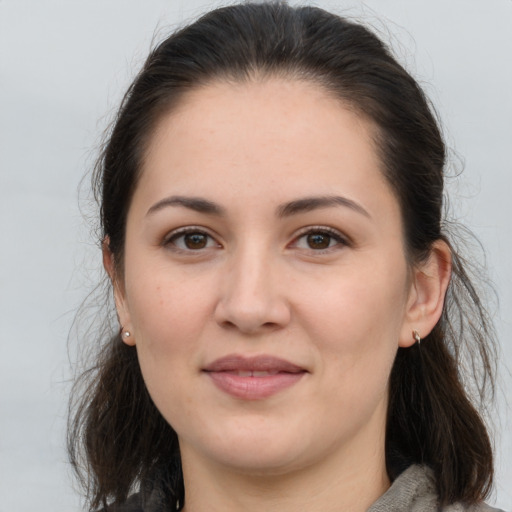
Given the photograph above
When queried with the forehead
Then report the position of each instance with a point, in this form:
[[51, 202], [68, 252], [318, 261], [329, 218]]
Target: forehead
[[273, 136]]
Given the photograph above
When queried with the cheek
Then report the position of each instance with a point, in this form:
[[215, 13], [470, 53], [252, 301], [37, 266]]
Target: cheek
[[164, 303], [355, 323], [168, 313], [358, 306], [168, 317]]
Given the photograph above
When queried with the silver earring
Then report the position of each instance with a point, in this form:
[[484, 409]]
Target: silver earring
[[416, 336], [126, 334]]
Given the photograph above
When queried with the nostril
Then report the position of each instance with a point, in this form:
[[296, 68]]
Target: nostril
[[267, 326], [228, 324]]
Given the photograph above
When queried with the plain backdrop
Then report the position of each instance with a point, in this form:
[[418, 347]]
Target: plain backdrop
[[63, 68]]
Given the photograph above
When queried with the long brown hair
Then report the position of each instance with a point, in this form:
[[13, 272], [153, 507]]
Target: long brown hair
[[118, 441]]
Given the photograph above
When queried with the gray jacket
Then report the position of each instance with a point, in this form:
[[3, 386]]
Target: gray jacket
[[415, 491]]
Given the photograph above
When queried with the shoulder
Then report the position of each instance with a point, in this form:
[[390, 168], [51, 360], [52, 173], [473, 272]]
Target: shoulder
[[415, 491], [139, 502], [132, 504], [480, 507]]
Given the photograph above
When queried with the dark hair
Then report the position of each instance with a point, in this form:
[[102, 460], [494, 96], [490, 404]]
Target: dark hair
[[115, 429]]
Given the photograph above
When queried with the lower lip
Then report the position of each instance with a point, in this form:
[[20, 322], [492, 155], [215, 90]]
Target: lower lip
[[254, 388]]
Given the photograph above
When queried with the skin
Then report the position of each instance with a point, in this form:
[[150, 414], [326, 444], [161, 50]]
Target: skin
[[337, 303]]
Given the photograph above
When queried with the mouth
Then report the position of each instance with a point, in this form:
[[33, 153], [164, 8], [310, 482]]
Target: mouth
[[253, 378], [252, 373]]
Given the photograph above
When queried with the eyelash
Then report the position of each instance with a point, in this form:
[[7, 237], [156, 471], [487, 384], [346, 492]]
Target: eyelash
[[182, 232], [310, 230], [323, 230]]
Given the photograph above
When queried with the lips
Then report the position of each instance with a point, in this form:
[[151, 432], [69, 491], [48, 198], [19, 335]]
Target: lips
[[253, 378]]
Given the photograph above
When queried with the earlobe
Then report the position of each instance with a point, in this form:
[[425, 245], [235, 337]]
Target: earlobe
[[119, 295], [127, 337], [427, 296]]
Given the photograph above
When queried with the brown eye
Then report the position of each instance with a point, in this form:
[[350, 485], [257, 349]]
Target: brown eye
[[191, 240], [195, 241], [319, 240]]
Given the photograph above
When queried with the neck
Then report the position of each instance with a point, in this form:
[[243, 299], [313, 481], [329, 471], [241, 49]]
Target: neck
[[340, 481]]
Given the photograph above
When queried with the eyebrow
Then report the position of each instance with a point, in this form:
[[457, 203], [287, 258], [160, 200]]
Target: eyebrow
[[197, 204], [295, 207], [314, 203]]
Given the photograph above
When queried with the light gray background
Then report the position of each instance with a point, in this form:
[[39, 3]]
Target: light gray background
[[63, 67]]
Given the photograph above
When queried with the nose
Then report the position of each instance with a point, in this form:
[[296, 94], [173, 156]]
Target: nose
[[252, 295]]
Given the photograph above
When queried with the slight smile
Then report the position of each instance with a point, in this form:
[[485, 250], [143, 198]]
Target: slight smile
[[253, 378]]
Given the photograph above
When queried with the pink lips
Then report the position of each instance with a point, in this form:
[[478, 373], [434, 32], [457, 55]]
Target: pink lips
[[253, 378]]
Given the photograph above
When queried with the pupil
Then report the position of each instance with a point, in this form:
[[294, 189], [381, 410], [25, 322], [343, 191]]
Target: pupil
[[319, 241], [195, 241]]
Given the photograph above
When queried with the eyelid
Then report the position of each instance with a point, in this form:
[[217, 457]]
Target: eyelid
[[176, 233], [341, 238], [337, 235]]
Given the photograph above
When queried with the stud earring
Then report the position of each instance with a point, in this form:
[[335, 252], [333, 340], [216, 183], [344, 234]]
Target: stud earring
[[416, 336], [126, 334]]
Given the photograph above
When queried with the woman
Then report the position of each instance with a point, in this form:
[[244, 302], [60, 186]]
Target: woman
[[292, 314]]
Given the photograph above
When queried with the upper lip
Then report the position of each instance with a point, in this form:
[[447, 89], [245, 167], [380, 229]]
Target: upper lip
[[261, 363]]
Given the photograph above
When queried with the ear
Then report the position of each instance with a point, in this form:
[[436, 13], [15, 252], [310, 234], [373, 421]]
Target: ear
[[119, 294], [425, 304]]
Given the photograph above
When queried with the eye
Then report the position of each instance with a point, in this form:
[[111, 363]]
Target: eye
[[190, 239], [319, 239]]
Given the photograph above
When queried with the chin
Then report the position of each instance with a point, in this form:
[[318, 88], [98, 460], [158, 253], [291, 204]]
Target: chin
[[255, 450], [261, 462]]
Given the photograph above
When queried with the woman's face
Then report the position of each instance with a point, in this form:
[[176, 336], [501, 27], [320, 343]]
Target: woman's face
[[265, 284]]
